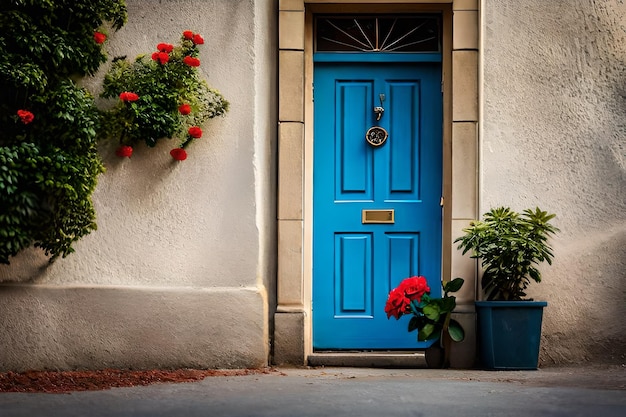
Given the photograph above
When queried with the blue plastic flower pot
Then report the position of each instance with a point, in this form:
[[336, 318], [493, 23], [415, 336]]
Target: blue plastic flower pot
[[509, 333]]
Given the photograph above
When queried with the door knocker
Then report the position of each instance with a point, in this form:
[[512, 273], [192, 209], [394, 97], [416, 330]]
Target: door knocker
[[376, 135], [379, 110]]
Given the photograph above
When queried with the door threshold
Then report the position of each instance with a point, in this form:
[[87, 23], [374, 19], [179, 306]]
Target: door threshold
[[368, 359]]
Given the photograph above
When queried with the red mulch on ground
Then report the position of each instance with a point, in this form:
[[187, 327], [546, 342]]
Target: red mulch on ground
[[67, 381]]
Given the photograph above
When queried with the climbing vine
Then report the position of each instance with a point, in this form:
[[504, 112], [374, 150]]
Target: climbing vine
[[49, 162], [50, 126]]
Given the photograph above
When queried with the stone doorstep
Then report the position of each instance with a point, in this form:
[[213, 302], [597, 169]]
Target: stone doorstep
[[369, 359]]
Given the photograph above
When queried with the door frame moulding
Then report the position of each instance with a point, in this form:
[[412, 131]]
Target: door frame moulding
[[292, 342]]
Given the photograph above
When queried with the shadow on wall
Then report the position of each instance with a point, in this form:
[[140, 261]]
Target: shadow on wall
[[584, 323], [28, 265]]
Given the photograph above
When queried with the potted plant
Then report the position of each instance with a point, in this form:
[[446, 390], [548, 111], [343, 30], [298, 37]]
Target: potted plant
[[510, 247], [431, 315]]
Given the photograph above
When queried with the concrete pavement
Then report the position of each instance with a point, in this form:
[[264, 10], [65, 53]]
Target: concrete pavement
[[361, 392]]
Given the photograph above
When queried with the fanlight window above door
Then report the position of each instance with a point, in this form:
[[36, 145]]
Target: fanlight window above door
[[386, 33]]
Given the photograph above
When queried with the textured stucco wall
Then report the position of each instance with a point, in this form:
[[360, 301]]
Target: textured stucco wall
[[553, 134], [175, 231]]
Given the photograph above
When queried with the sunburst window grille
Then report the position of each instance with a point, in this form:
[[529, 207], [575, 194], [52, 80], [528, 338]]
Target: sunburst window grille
[[377, 33]]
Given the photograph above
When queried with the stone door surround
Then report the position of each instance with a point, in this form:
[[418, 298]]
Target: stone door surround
[[292, 320]]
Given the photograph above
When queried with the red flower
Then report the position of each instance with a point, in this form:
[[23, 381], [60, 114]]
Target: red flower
[[124, 151], [414, 288], [128, 96], [188, 34], [184, 109], [195, 132], [397, 303], [25, 116], [161, 57], [197, 39], [165, 47], [400, 298], [99, 37], [191, 61], [178, 154]]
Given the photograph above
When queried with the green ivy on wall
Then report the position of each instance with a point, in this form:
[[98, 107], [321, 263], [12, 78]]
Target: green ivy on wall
[[48, 125]]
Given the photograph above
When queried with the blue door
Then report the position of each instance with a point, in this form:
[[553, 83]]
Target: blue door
[[376, 207]]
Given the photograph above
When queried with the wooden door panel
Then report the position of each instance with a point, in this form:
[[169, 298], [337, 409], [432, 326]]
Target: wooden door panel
[[354, 275], [403, 113], [353, 164], [355, 264]]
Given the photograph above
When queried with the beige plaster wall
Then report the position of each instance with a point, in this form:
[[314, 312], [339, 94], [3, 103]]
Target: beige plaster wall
[[553, 134], [183, 258]]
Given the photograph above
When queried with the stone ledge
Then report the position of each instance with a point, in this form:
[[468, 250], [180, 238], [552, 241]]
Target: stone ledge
[[46, 327], [400, 359]]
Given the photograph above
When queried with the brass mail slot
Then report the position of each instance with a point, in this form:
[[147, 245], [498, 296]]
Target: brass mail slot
[[377, 216]]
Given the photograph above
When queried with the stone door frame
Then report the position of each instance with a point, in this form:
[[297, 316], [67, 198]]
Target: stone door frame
[[292, 342]]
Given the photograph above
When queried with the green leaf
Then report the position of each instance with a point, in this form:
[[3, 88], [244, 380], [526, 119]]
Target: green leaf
[[453, 286], [432, 311], [427, 333], [448, 304], [413, 324], [455, 331]]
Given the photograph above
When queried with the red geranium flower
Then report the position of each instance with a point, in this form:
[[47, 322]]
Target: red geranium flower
[[184, 109], [99, 37], [25, 116], [178, 154], [188, 34], [191, 61], [414, 288], [410, 289], [124, 151], [128, 96], [397, 303], [165, 47], [197, 39], [161, 57], [195, 132]]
